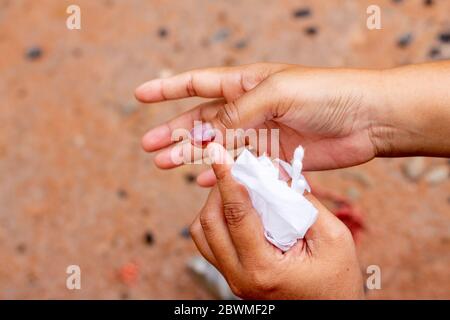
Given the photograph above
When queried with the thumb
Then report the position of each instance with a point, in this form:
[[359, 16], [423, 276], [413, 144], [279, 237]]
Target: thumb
[[242, 220], [327, 226]]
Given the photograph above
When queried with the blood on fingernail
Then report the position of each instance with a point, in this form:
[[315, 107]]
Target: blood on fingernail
[[202, 134]]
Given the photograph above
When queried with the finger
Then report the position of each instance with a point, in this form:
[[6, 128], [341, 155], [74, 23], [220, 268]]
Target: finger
[[227, 83], [243, 222], [206, 179], [198, 236], [167, 133], [182, 153], [250, 111], [327, 226], [216, 233]]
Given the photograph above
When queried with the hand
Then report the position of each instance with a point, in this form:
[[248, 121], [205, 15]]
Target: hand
[[229, 234], [328, 111], [342, 117]]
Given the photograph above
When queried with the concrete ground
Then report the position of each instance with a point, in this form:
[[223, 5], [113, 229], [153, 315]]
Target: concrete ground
[[76, 188]]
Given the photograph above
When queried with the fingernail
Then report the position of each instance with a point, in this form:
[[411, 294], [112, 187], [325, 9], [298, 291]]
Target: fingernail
[[218, 154], [203, 133], [215, 153]]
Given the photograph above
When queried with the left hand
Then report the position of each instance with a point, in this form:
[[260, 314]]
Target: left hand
[[229, 234]]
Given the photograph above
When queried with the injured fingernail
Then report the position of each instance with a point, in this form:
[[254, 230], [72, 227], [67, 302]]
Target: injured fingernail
[[202, 134]]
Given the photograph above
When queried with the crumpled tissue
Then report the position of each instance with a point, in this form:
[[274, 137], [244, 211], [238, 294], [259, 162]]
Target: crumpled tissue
[[285, 213]]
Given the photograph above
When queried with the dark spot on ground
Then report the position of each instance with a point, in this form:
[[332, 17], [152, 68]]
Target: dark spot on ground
[[434, 53], [185, 233], [405, 40], [163, 32], [221, 35], [241, 44], [311, 31], [149, 239], [444, 37], [122, 193], [301, 13], [189, 177], [21, 248], [33, 53]]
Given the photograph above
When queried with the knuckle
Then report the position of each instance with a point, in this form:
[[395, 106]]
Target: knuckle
[[234, 212], [206, 220], [190, 86], [228, 115], [194, 229], [275, 81], [340, 233]]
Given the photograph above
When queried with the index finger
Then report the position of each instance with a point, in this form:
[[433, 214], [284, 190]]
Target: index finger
[[206, 83], [225, 82]]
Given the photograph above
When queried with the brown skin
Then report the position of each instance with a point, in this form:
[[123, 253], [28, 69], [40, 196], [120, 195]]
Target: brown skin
[[343, 117], [229, 234]]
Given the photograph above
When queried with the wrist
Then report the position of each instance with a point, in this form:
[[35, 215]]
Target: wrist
[[410, 116]]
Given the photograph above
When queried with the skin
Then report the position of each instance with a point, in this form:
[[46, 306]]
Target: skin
[[342, 117]]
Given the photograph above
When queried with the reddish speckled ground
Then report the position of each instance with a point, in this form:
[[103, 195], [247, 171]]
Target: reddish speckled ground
[[70, 140]]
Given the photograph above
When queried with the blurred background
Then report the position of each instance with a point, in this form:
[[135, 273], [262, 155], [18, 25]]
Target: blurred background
[[76, 188]]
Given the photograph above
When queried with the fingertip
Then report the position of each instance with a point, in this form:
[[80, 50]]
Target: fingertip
[[206, 179], [169, 158], [220, 160], [145, 144], [149, 91], [156, 138]]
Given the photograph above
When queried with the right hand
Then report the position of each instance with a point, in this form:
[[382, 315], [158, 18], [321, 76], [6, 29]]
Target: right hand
[[228, 232]]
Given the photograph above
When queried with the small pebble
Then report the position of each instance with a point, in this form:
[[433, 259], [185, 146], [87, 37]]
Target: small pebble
[[405, 40], [437, 174], [221, 35], [190, 177], [21, 248], [241, 44], [129, 108], [434, 53], [163, 32], [311, 31], [122, 193], [185, 233], [149, 238], [302, 13], [34, 53], [413, 168], [444, 37]]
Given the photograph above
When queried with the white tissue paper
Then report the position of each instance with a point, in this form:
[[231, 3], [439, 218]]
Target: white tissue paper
[[286, 214]]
